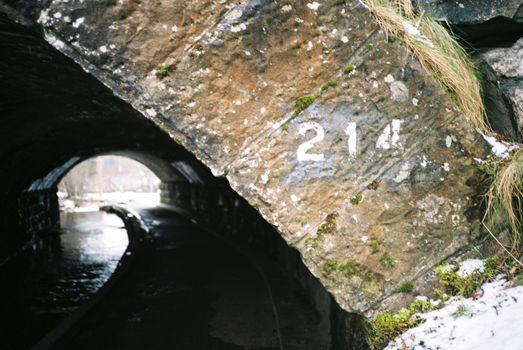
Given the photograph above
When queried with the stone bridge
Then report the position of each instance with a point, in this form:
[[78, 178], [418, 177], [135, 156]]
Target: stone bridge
[[332, 131]]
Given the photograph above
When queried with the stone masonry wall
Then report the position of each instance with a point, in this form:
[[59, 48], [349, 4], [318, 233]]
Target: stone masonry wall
[[38, 211], [381, 157]]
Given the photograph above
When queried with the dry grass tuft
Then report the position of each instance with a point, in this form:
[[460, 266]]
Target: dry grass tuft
[[505, 200], [442, 56], [438, 52]]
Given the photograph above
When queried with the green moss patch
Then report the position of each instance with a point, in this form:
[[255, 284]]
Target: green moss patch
[[406, 287], [356, 199], [374, 185], [466, 286], [164, 71], [348, 69], [304, 221], [347, 270], [330, 83], [375, 247], [388, 325], [387, 261], [303, 102], [329, 225]]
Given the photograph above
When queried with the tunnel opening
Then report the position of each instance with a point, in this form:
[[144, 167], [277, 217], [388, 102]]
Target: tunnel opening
[[496, 32], [106, 180], [56, 116]]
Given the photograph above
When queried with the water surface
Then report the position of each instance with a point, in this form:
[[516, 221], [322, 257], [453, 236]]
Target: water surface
[[48, 282]]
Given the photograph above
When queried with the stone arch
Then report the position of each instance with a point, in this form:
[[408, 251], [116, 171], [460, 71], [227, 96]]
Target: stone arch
[[57, 115]]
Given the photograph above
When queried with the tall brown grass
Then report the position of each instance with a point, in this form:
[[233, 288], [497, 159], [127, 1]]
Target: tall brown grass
[[438, 51], [442, 56], [504, 203]]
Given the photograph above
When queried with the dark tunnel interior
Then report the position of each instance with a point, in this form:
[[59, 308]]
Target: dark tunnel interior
[[54, 116]]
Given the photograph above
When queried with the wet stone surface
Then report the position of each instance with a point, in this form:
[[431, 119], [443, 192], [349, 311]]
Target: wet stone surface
[[43, 286]]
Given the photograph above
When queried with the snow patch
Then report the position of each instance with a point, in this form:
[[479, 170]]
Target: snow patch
[[501, 149], [150, 112], [313, 5], [448, 141], [54, 41], [492, 321], [264, 178], [286, 8], [309, 45], [239, 28], [468, 267], [389, 78], [423, 162], [78, 22], [414, 32]]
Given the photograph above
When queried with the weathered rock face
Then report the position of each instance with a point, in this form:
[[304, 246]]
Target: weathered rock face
[[491, 26], [473, 11], [493, 23], [507, 63], [374, 182]]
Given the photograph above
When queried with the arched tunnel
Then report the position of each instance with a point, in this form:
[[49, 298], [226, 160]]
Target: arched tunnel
[[54, 116]]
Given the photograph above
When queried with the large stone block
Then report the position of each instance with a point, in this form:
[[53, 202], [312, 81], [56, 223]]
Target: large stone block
[[507, 63], [473, 11], [374, 182]]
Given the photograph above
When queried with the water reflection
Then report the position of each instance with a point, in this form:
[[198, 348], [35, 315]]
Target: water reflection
[[68, 268], [61, 272]]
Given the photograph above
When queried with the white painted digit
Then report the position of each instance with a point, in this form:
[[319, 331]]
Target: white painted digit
[[395, 139], [304, 147], [390, 138], [383, 139], [352, 140]]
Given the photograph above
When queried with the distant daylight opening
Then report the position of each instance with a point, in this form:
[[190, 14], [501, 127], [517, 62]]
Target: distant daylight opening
[[117, 236], [66, 266], [106, 180]]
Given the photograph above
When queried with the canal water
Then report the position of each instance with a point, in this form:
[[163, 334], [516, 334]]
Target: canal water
[[60, 272]]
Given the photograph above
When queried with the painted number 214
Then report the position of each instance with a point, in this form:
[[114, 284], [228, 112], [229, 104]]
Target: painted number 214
[[388, 139]]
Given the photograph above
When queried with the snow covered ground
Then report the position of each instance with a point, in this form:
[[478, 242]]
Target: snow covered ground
[[92, 201], [494, 321]]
